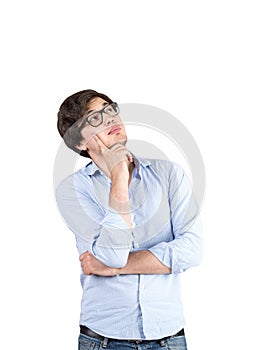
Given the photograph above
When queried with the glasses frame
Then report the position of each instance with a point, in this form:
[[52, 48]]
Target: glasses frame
[[114, 105]]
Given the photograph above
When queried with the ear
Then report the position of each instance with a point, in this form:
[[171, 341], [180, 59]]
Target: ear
[[82, 147]]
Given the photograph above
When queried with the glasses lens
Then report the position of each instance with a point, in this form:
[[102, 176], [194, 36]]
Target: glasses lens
[[95, 119], [112, 109]]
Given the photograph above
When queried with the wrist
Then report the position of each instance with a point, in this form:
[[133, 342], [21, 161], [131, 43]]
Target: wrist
[[116, 271], [120, 170], [119, 191], [119, 178]]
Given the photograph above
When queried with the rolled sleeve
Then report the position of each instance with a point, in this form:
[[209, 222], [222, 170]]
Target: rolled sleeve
[[182, 253], [185, 250], [102, 231]]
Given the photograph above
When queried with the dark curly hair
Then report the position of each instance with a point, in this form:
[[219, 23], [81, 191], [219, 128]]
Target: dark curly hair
[[69, 117]]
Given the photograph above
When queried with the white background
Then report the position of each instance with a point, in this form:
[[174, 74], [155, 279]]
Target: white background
[[196, 59]]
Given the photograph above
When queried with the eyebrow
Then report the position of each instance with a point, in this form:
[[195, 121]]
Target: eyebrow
[[92, 110]]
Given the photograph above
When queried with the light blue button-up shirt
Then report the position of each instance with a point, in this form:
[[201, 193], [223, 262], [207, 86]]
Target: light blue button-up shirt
[[164, 221]]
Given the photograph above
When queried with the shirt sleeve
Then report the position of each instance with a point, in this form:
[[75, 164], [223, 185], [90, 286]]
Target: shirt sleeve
[[185, 249], [102, 231]]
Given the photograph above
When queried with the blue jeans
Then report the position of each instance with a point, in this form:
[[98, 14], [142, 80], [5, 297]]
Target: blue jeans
[[172, 343]]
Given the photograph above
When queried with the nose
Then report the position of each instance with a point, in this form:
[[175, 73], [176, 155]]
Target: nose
[[108, 119]]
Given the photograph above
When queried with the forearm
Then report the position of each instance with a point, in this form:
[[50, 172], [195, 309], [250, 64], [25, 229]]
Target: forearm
[[119, 197], [143, 262]]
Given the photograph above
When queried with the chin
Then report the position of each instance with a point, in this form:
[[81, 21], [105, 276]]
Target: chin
[[115, 142]]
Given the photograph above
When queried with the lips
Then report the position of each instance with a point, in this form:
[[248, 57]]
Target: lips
[[114, 130]]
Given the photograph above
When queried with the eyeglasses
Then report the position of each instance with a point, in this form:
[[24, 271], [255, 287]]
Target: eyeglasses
[[96, 118]]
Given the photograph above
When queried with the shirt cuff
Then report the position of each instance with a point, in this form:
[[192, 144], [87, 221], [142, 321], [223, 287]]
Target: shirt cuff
[[113, 219], [162, 252], [115, 232]]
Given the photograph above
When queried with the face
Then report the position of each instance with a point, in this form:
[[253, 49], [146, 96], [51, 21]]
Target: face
[[111, 131]]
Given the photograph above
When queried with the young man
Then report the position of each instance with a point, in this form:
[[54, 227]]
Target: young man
[[137, 229]]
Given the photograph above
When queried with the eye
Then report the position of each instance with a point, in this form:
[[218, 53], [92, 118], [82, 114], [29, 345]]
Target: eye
[[94, 119], [109, 109]]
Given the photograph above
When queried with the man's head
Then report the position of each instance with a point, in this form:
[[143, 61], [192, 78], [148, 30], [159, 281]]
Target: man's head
[[88, 113]]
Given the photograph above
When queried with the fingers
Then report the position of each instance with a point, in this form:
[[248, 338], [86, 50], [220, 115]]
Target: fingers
[[107, 158], [118, 147], [129, 157], [101, 146], [84, 255], [95, 146], [85, 259]]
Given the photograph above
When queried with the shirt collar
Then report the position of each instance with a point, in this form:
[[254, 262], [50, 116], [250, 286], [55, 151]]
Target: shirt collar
[[91, 168], [140, 163]]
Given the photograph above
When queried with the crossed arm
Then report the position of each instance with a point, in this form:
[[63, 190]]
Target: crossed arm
[[141, 262], [164, 258]]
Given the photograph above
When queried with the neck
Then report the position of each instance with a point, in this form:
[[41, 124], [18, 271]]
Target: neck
[[131, 167]]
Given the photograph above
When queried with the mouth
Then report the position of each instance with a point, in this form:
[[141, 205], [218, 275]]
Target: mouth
[[114, 130]]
